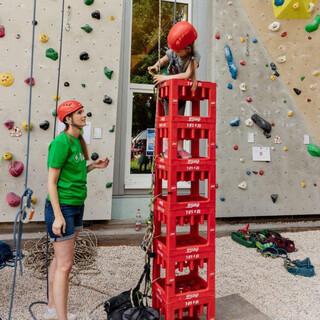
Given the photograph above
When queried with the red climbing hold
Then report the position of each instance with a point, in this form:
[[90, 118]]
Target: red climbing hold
[[9, 124], [242, 62], [13, 200], [249, 99], [284, 34], [235, 147], [261, 172], [16, 168], [2, 31], [30, 82], [217, 36]]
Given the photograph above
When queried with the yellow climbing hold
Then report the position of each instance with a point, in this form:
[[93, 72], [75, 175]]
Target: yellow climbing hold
[[290, 113], [294, 9], [112, 18], [43, 38], [303, 184], [242, 39], [316, 73], [7, 156], [56, 98], [34, 199], [6, 79], [285, 148], [273, 77], [26, 127]]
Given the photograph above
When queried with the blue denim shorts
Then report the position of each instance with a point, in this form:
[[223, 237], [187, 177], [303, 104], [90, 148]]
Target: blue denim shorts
[[73, 216]]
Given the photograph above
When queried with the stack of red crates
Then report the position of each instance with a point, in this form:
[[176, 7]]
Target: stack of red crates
[[183, 284]]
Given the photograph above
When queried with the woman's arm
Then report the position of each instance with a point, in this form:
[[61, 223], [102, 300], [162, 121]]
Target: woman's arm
[[98, 164], [59, 222], [157, 66]]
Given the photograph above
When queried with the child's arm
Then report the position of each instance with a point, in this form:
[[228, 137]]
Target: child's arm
[[188, 74], [157, 66]]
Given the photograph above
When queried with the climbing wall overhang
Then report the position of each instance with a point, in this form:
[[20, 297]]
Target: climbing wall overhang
[[294, 9]]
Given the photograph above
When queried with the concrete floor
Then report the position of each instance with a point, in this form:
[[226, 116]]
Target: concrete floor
[[234, 307]]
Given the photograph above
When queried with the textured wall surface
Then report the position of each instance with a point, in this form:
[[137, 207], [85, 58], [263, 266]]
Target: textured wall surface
[[292, 174], [103, 47]]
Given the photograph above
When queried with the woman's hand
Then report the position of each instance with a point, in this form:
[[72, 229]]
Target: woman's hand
[[101, 163], [153, 69], [158, 78], [58, 225]]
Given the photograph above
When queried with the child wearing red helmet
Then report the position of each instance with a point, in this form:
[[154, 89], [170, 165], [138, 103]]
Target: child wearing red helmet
[[182, 61], [64, 208]]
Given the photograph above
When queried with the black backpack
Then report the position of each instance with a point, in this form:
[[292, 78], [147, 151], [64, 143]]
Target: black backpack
[[5, 254]]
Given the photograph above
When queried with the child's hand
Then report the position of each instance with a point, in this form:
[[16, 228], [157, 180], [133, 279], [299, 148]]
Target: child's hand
[[158, 78]]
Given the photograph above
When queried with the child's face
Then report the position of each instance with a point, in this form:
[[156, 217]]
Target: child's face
[[183, 52]]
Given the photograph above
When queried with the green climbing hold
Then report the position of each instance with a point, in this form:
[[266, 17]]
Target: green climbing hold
[[87, 28], [54, 112], [314, 25], [112, 129], [108, 185], [83, 85], [302, 78], [108, 72], [313, 150], [52, 54], [88, 2]]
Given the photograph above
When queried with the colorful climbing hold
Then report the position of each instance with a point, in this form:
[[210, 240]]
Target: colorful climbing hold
[[235, 122], [297, 91], [16, 168], [9, 124], [309, 100], [235, 147], [44, 125], [7, 156], [44, 38], [254, 40], [248, 173], [230, 86], [6, 79], [273, 77], [108, 72], [242, 62], [243, 185], [2, 31], [94, 156], [54, 112], [261, 172], [285, 148], [303, 184], [96, 15], [314, 25], [274, 26], [112, 129], [13, 199], [222, 199], [249, 123], [15, 132], [249, 99], [302, 78], [84, 56], [217, 36], [290, 113], [108, 185], [242, 39], [30, 81], [313, 150], [87, 28], [282, 59], [112, 18], [26, 127], [232, 67], [89, 114], [88, 2], [107, 99], [66, 84], [34, 199], [83, 85], [52, 54], [56, 98], [243, 87], [284, 34], [316, 73], [241, 160]]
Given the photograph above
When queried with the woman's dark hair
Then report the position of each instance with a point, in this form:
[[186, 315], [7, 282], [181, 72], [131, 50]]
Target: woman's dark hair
[[82, 143]]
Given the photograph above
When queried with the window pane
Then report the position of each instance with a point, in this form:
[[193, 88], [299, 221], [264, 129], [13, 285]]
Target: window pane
[[143, 118], [145, 28]]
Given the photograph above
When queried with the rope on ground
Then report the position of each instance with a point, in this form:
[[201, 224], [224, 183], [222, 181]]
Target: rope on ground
[[85, 254]]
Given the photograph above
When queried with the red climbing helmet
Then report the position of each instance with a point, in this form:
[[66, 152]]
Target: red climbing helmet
[[181, 35], [68, 107]]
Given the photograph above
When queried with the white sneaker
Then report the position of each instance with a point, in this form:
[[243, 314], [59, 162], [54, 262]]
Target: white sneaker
[[51, 314]]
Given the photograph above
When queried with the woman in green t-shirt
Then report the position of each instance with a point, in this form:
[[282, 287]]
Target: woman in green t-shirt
[[67, 188]]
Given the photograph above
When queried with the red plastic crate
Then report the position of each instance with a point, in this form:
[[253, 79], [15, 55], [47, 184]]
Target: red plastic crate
[[194, 305]]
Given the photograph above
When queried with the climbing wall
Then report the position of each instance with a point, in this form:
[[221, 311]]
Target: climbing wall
[[265, 174], [88, 59]]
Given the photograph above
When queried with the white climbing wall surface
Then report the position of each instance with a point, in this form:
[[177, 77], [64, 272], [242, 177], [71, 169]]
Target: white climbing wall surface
[[265, 174], [89, 81]]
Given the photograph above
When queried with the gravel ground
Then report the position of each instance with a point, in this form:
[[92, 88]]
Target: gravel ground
[[262, 281]]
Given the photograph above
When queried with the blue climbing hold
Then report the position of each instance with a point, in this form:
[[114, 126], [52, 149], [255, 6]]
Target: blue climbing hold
[[254, 40], [232, 67], [248, 173], [235, 122], [230, 86], [278, 3]]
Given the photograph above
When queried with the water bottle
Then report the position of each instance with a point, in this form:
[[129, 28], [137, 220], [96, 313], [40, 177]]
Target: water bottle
[[138, 220]]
